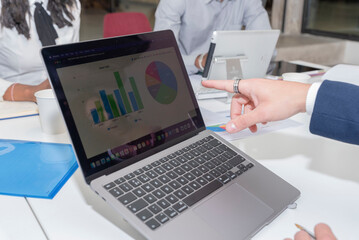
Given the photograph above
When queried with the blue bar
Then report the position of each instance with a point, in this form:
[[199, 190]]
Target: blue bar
[[120, 102], [95, 116], [106, 104], [133, 101]]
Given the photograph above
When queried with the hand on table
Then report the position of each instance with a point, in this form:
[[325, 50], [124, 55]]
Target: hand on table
[[22, 92]]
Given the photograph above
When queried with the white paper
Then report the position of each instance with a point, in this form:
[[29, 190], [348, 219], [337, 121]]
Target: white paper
[[17, 109], [213, 119], [262, 129], [343, 73]]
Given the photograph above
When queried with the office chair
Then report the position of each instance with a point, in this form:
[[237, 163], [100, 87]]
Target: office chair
[[124, 23]]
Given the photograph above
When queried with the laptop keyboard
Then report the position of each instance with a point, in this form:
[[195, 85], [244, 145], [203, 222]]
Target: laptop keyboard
[[164, 189]]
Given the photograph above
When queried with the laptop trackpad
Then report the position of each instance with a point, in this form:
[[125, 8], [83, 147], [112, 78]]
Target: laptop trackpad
[[234, 212]]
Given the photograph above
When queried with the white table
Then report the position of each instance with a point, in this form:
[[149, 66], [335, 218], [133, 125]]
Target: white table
[[17, 221], [325, 171]]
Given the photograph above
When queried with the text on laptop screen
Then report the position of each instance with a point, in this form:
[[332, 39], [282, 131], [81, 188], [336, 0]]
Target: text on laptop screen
[[126, 105]]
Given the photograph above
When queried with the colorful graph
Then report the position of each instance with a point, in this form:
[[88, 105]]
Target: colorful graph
[[117, 104], [161, 82], [217, 128]]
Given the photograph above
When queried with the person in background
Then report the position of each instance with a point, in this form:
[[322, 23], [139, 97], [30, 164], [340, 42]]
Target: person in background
[[332, 106], [27, 26], [193, 23]]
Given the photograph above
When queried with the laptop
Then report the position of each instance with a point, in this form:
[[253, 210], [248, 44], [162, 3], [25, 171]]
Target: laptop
[[237, 54], [142, 145]]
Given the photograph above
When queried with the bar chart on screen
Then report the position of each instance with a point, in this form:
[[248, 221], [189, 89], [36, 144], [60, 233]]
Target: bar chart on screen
[[117, 103]]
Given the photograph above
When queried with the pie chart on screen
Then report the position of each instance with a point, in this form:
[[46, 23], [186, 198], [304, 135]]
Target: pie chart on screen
[[161, 82]]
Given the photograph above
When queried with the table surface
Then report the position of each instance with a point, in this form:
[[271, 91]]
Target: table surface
[[324, 170]]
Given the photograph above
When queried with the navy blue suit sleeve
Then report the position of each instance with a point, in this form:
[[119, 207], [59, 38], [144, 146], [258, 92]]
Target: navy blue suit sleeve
[[336, 112]]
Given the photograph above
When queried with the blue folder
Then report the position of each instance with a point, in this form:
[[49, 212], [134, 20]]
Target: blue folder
[[34, 169]]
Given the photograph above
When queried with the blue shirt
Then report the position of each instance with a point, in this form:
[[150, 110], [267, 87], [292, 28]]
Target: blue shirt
[[193, 22]]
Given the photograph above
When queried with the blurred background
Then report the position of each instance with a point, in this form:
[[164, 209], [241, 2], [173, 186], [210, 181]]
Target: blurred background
[[319, 31]]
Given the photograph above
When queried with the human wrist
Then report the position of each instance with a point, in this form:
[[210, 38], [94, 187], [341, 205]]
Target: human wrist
[[12, 87], [21, 92], [11, 93]]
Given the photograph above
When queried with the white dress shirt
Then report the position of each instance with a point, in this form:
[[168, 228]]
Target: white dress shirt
[[20, 60], [193, 22]]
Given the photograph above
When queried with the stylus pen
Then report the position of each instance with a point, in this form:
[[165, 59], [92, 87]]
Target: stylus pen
[[305, 230]]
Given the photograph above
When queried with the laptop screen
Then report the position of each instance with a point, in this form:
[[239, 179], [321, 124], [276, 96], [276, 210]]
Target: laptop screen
[[122, 98]]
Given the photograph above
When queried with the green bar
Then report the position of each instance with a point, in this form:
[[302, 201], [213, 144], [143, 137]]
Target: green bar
[[100, 111], [113, 105], [136, 93], [126, 102]]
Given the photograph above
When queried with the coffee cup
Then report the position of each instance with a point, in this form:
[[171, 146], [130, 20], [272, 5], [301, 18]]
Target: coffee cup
[[50, 116]]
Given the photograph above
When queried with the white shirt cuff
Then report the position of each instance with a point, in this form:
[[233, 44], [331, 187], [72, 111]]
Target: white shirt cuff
[[311, 97]]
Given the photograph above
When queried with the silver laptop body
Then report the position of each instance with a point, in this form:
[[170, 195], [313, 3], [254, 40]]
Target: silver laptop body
[[141, 142]]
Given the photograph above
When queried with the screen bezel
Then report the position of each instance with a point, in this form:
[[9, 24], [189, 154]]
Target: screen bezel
[[160, 39]]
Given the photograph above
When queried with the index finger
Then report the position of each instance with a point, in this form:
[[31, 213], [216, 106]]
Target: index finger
[[226, 85], [323, 231]]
